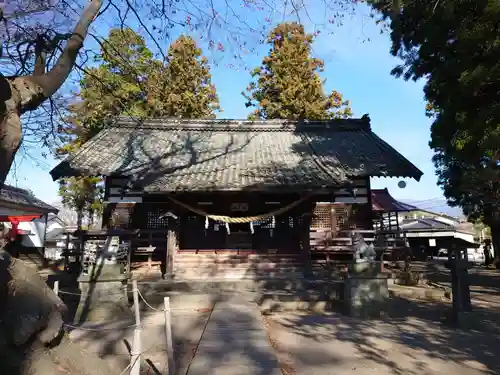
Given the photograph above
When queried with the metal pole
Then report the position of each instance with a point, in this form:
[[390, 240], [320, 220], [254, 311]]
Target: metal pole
[[135, 293], [168, 332], [135, 359]]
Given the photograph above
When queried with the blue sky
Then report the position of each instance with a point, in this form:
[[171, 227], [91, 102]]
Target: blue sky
[[357, 64]]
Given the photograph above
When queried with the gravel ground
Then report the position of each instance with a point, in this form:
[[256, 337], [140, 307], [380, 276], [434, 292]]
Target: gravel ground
[[113, 341], [410, 340]]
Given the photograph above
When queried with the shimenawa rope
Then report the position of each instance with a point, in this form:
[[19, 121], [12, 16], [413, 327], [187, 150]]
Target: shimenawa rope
[[243, 219]]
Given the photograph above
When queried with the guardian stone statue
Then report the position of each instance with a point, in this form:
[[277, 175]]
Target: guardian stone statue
[[362, 251]]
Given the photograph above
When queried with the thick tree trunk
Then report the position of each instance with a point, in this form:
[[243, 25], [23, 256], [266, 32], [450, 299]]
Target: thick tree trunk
[[31, 316], [10, 132], [30, 313], [22, 94]]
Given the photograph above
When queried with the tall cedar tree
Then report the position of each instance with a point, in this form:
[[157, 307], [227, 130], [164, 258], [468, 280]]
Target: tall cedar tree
[[187, 91], [456, 46], [287, 84], [113, 88], [130, 82]]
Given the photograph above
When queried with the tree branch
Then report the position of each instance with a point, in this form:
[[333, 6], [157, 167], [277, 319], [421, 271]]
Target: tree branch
[[48, 83], [40, 56]]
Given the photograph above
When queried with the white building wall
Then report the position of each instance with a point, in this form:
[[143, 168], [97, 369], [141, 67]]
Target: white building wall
[[37, 228]]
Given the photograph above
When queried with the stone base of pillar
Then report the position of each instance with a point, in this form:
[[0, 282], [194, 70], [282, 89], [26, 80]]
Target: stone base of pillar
[[103, 296], [366, 290]]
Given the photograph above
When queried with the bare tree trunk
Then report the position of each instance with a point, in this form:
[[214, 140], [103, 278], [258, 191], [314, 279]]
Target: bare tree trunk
[[31, 321], [91, 216], [30, 312], [79, 218], [21, 94]]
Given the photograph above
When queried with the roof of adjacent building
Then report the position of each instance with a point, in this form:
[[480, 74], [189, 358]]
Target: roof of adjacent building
[[173, 154], [431, 224], [15, 197], [382, 201]]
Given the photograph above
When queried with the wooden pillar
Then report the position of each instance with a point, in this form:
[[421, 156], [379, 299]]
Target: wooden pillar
[[460, 282], [305, 242]]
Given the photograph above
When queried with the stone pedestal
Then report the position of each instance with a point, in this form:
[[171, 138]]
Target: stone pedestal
[[366, 290], [103, 282], [103, 296]]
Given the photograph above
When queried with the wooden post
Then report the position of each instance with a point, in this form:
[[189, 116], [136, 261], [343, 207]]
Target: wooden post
[[168, 334], [171, 249], [460, 284], [135, 358]]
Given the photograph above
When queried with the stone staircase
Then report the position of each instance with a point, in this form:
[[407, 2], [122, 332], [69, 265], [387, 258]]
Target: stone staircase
[[209, 266]]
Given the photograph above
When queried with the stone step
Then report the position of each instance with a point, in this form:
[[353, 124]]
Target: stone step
[[257, 265], [197, 275], [250, 257], [239, 269]]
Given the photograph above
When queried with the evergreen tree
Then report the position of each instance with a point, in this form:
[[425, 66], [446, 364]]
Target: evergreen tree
[[84, 195], [115, 87], [130, 82], [455, 45], [287, 84], [187, 91]]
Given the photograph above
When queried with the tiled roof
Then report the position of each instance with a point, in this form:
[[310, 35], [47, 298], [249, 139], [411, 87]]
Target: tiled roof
[[425, 224], [382, 201], [24, 199], [171, 155]]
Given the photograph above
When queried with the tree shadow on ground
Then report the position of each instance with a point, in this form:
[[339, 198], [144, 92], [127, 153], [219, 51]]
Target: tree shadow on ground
[[235, 339], [114, 341], [411, 339]]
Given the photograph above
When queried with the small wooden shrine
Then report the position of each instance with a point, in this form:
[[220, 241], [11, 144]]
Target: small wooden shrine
[[231, 191]]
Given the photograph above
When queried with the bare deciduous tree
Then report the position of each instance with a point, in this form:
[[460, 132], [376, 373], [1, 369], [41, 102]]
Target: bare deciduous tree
[[20, 94]]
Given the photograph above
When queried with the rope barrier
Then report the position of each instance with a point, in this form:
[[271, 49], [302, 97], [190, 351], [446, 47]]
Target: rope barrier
[[79, 294], [243, 219], [129, 365], [100, 328], [68, 293], [147, 303]]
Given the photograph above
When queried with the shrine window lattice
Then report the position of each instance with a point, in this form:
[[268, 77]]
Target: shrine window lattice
[[156, 218], [322, 217], [327, 216]]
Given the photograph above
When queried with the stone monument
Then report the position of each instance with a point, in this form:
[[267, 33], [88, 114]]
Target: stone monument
[[104, 277], [366, 288]]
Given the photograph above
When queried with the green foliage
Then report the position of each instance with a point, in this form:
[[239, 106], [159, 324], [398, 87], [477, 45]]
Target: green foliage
[[455, 45], [287, 84], [129, 81], [187, 91], [84, 194]]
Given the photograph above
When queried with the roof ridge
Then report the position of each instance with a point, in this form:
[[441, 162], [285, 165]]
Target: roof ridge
[[243, 124]]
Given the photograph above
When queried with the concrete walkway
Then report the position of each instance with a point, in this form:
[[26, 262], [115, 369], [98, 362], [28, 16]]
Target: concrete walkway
[[235, 342]]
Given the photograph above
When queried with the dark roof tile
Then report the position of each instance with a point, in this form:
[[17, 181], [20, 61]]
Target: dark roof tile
[[232, 155], [21, 197]]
